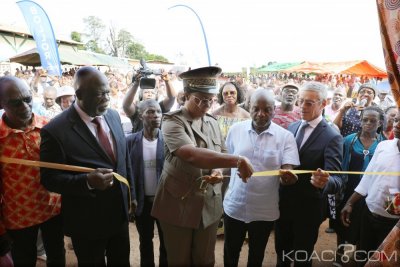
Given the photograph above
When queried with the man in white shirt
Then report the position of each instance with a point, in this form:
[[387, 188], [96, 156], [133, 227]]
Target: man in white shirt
[[146, 153], [253, 207], [378, 219]]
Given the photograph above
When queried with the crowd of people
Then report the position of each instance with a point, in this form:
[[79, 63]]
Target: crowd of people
[[185, 153]]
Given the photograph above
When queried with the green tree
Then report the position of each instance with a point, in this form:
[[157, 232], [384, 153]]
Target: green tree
[[136, 50], [156, 57], [94, 28], [93, 46], [76, 36], [125, 38]]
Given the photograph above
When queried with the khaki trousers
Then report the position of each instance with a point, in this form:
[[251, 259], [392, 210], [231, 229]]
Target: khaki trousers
[[190, 247]]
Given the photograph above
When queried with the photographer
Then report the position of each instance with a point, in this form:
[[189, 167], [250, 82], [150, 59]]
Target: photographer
[[130, 108]]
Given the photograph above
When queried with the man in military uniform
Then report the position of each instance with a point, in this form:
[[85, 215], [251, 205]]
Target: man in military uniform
[[188, 200]]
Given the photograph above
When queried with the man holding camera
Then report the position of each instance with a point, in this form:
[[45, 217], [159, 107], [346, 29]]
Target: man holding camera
[[130, 107]]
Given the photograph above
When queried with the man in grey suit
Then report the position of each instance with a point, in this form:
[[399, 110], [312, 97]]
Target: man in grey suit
[[302, 205], [94, 205]]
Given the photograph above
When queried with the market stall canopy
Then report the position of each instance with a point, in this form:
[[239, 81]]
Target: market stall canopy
[[308, 67], [71, 57], [278, 66], [356, 67]]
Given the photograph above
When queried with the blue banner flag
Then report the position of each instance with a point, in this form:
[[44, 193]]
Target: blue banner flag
[[42, 31]]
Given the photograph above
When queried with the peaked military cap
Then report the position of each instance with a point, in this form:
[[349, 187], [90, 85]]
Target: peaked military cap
[[203, 80]]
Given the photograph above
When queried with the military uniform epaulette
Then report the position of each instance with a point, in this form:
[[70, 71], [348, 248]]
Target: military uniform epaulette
[[209, 115]]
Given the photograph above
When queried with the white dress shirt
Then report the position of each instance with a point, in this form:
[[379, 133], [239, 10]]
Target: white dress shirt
[[378, 188], [258, 199], [308, 130]]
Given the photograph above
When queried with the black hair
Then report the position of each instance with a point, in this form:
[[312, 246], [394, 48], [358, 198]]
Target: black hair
[[376, 109], [239, 93], [382, 116]]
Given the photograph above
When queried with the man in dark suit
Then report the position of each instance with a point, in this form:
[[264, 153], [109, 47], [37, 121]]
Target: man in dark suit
[[302, 205], [94, 205]]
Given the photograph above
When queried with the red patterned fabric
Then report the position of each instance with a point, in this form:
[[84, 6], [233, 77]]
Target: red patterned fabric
[[283, 119], [25, 202], [389, 20]]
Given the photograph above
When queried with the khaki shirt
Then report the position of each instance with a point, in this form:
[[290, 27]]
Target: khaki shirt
[[179, 200]]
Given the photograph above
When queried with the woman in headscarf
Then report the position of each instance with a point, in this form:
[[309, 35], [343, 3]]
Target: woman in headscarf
[[348, 118]]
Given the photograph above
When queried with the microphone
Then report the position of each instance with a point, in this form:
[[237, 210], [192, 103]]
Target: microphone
[[362, 104]]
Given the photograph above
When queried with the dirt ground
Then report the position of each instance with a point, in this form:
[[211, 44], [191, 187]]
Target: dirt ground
[[325, 242]]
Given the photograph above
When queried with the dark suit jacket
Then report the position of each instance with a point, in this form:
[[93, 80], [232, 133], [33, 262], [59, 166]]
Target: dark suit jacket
[[135, 151], [87, 213], [323, 149]]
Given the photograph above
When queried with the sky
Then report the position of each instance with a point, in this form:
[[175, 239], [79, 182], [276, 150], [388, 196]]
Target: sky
[[240, 34]]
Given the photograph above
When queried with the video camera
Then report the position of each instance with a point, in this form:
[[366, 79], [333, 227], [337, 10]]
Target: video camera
[[145, 81]]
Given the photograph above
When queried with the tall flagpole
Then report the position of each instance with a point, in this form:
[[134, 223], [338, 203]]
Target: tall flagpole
[[202, 28]]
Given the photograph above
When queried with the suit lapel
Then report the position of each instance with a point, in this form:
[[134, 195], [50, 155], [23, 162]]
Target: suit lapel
[[317, 131], [83, 131]]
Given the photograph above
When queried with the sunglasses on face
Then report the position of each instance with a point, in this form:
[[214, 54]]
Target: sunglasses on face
[[19, 102], [204, 101], [308, 103]]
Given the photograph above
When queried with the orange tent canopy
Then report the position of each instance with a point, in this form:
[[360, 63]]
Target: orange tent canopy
[[356, 67]]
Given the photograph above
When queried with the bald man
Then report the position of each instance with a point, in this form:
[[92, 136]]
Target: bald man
[[95, 204], [253, 208], [26, 205]]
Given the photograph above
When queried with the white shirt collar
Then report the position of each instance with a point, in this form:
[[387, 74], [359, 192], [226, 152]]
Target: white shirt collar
[[314, 122], [270, 129]]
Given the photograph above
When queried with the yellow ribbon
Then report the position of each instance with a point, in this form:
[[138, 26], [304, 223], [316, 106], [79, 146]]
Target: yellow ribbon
[[123, 180], [64, 167], [276, 172]]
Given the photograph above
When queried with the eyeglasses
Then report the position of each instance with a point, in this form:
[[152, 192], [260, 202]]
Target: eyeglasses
[[227, 93], [308, 103], [204, 101], [19, 102], [366, 91]]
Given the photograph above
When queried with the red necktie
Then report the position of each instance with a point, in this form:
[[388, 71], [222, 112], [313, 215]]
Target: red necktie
[[103, 139]]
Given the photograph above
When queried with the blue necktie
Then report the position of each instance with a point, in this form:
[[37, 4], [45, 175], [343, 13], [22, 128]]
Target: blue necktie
[[300, 133]]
